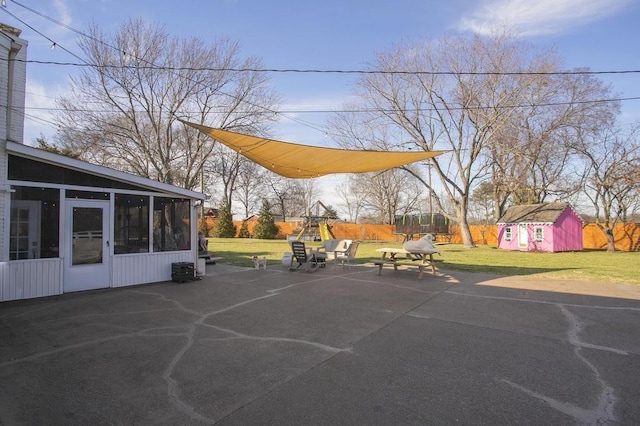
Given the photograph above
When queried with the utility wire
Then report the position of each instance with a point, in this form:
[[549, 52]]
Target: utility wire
[[53, 43], [330, 71], [285, 113], [430, 109], [150, 64]]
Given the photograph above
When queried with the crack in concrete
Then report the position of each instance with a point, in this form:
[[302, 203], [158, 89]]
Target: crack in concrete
[[544, 302], [187, 331], [602, 413], [237, 335], [173, 386], [66, 348]]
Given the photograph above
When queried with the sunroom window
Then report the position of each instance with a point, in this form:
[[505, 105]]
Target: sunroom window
[[131, 224], [34, 223], [171, 224]]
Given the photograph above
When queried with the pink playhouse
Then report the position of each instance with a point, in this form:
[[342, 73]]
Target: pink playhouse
[[548, 227]]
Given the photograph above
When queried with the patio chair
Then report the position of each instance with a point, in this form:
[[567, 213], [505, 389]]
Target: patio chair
[[330, 246], [346, 256], [300, 256]]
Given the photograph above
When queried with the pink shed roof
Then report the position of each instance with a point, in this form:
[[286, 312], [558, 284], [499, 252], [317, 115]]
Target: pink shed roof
[[533, 213]]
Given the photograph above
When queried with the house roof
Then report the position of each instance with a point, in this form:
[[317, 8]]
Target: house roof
[[533, 213], [106, 172]]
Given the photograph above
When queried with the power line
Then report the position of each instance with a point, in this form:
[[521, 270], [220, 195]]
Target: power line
[[53, 43], [331, 71], [150, 64], [285, 113], [368, 110]]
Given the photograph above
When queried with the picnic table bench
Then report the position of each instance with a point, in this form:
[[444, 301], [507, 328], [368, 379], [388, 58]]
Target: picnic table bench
[[421, 259]]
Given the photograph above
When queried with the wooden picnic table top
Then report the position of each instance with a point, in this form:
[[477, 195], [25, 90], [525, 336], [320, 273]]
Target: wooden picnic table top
[[395, 250]]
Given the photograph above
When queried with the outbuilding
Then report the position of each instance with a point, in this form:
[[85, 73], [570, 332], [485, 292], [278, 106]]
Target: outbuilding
[[547, 227], [67, 225]]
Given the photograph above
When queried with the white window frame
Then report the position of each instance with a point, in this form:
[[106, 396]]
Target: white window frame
[[508, 233], [538, 234], [32, 235]]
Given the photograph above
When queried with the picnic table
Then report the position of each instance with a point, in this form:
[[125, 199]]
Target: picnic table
[[421, 259]]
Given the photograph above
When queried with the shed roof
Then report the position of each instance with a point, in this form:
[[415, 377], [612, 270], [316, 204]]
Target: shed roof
[[533, 213]]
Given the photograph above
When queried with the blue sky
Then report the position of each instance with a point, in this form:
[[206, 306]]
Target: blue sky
[[332, 34]]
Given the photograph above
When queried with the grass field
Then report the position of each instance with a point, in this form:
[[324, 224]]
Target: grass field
[[588, 265]]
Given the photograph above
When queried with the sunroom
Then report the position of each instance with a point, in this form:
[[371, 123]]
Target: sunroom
[[77, 226]]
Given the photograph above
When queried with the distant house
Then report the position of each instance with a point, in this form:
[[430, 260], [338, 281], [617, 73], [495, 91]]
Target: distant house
[[548, 227], [67, 225], [211, 212]]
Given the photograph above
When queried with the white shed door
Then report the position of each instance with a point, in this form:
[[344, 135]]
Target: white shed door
[[87, 259], [523, 236]]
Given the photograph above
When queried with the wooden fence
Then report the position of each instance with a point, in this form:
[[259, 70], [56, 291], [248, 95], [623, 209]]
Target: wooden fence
[[627, 235]]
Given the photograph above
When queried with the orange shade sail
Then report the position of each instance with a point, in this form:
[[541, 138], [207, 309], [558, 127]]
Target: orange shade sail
[[304, 161]]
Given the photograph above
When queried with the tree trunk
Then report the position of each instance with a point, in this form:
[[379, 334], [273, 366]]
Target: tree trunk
[[611, 242], [465, 232]]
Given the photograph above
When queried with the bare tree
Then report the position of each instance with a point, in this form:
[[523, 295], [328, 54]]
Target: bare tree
[[250, 189], [447, 97], [530, 155], [226, 165], [611, 177], [308, 192], [352, 199], [285, 196], [122, 109], [386, 194], [468, 95]]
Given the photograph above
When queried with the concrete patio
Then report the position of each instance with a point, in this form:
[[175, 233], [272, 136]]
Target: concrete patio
[[338, 346]]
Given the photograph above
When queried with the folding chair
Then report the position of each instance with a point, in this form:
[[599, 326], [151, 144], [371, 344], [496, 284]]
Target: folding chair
[[300, 256]]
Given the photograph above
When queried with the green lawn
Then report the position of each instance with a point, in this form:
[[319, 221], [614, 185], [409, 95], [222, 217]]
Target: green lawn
[[588, 265]]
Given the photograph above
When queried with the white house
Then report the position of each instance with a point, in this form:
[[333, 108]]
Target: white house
[[67, 225]]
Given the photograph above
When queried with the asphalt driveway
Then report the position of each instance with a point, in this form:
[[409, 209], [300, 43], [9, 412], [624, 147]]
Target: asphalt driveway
[[334, 347]]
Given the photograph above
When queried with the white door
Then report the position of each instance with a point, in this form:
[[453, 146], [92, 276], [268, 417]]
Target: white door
[[87, 254], [523, 236]]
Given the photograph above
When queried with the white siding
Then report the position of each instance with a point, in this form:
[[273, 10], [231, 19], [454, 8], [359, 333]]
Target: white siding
[[132, 269], [25, 279], [17, 93], [13, 77], [5, 208]]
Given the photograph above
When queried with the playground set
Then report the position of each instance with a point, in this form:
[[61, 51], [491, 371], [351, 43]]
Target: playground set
[[315, 227]]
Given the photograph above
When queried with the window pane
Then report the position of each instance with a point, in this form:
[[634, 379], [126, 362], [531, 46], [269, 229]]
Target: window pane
[[87, 236], [87, 195], [171, 229], [131, 224], [539, 234], [33, 230], [35, 171]]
